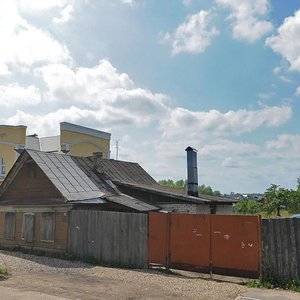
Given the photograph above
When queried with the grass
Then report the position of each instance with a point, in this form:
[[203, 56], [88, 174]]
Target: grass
[[4, 271], [274, 283]]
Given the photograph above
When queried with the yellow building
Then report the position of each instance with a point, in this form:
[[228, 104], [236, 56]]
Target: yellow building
[[11, 138], [73, 139]]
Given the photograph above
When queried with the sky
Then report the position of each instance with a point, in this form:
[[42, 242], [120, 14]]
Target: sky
[[221, 76]]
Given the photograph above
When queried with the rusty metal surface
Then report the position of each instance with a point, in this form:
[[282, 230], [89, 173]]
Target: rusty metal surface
[[235, 242], [226, 245], [158, 239], [190, 242]]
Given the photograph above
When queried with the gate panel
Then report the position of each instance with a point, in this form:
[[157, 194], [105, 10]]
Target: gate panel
[[158, 239], [190, 242], [235, 242]]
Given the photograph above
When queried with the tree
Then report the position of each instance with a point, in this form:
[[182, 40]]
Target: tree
[[248, 207], [277, 198], [181, 185]]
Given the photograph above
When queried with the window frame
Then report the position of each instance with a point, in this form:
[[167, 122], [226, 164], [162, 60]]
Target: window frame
[[12, 238], [23, 227], [53, 227], [3, 167]]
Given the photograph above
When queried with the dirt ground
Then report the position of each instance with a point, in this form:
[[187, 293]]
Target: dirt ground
[[35, 277]]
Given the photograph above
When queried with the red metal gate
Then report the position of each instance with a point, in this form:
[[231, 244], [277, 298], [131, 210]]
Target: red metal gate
[[235, 243], [206, 243], [190, 232]]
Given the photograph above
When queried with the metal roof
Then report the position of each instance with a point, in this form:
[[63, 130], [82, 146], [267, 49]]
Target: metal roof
[[67, 177], [112, 193], [124, 171], [132, 202]]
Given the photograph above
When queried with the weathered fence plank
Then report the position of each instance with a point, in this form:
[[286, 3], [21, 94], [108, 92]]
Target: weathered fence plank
[[113, 238], [281, 248]]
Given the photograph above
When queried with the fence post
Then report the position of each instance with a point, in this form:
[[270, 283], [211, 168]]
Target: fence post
[[168, 241]]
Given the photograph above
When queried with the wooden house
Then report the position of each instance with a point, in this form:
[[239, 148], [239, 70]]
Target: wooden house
[[42, 188]]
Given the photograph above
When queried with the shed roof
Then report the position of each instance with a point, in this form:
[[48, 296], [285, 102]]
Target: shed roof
[[133, 175]]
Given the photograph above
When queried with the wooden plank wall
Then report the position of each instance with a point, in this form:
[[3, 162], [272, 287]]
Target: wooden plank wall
[[113, 238], [281, 248]]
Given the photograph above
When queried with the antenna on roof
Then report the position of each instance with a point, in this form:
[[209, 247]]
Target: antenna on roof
[[117, 149]]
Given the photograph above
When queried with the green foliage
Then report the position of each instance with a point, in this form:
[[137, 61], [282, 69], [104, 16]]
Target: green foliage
[[4, 271], [277, 198], [277, 201], [275, 283], [181, 185], [248, 207]]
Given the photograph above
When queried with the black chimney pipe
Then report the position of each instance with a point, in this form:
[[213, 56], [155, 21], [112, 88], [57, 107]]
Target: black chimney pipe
[[192, 172]]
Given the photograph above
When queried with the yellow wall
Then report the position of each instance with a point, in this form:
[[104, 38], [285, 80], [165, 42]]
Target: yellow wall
[[80, 144], [84, 144], [10, 138]]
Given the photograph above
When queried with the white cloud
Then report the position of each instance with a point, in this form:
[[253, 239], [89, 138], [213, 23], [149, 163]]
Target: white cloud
[[4, 69], [65, 15], [298, 91], [103, 87], [129, 2], [181, 121], [194, 35], [14, 96], [229, 162], [287, 41], [276, 70], [285, 79], [246, 18], [33, 6], [285, 141], [23, 44], [187, 2]]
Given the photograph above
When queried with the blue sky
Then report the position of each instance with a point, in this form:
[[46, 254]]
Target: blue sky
[[219, 75]]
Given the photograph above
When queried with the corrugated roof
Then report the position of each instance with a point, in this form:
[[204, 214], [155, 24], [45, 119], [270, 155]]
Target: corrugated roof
[[67, 177], [103, 181], [124, 171], [132, 202]]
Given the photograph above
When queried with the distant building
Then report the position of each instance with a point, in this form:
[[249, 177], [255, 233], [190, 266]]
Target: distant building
[[73, 139]]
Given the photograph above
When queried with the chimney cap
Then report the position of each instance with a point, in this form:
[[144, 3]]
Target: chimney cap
[[189, 148]]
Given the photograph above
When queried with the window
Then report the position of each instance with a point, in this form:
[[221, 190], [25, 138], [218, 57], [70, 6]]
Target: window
[[28, 227], [2, 167], [9, 228], [47, 227]]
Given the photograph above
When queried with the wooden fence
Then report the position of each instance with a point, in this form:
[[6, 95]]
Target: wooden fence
[[281, 248], [112, 238]]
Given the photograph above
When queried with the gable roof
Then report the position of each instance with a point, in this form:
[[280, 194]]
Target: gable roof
[[104, 182], [124, 171], [66, 176], [70, 181], [75, 180]]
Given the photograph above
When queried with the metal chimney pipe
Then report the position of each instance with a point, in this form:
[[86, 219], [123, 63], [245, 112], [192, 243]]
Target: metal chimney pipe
[[192, 172]]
